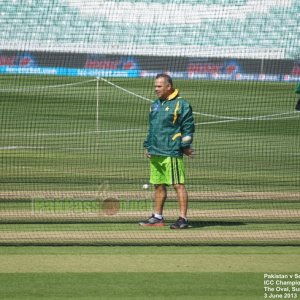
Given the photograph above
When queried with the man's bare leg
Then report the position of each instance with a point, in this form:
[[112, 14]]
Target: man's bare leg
[[160, 196], [182, 197]]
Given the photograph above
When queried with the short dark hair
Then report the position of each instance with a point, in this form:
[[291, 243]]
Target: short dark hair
[[166, 77]]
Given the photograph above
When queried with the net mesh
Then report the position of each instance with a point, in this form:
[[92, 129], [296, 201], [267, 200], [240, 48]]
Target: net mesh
[[76, 84]]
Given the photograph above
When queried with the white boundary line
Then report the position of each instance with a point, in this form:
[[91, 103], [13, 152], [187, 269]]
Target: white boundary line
[[258, 118], [216, 116], [227, 121], [88, 132], [20, 147], [126, 91], [78, 133], [46, 87]]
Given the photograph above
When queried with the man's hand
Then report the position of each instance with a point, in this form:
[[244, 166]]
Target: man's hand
[[188, 152], [146, 154]]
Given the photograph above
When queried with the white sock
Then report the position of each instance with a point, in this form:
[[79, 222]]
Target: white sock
[[157, 216]]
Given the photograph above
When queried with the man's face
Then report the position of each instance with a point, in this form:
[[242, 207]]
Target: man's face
[[162, 88]]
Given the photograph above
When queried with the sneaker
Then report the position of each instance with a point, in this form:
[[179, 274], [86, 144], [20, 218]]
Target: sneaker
[[181, 223], [152, 221]]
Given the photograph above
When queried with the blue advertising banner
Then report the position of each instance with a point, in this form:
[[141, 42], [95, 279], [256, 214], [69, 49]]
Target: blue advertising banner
[[95, 65], [69, 72]]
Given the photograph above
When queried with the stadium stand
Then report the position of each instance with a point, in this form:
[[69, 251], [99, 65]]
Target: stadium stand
[[258, 28]]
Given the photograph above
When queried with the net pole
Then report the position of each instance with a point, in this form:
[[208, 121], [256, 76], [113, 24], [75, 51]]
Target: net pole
[[262, 66], [97, 104]]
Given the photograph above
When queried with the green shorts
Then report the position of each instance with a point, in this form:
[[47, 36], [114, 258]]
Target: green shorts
[[166, 170]]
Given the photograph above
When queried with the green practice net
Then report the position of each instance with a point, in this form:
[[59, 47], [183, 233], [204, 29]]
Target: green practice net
[[76, 84]]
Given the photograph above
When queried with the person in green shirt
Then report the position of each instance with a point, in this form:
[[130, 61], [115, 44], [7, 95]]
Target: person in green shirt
[[170, 136], [297, 91]]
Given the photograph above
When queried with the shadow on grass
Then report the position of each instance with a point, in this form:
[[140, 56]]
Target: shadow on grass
[[198, 224]]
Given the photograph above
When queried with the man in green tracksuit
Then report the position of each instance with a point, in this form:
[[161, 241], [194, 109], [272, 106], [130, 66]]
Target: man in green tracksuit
[[170, 135]]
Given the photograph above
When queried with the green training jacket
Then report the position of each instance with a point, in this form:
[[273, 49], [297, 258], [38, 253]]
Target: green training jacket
[[171, 123]]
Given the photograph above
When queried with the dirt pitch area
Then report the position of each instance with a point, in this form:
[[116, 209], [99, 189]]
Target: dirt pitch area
[[138, 195]]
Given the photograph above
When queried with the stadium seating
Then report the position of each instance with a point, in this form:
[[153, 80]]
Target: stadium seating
[[140, 24]]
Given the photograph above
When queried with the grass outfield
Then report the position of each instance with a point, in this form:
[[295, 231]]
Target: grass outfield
[[212, 273], [246, 135], [66, 146]]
